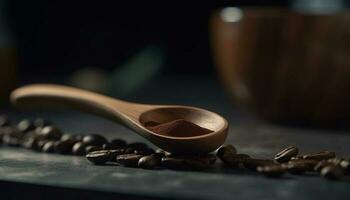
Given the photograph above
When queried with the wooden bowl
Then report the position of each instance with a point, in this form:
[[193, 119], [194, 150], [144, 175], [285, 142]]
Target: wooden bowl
[[283, 65]]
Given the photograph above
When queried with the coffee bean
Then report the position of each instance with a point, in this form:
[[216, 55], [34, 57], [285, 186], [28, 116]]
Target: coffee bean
[[332, 172], [233, 160], [68, 136], [345, 164], [138, 146], [272, 170], [50, 133], [309, 162], [4, 121], [158, 155], [286, 154], [110, 146], [64, 147], [30, 141], [297, 167], [40, 122], [321, 164], [226, 149], [40, 144], [161, 151], [25, 126], [196, 164], [144, 152], [11, 136], [129, 160], [99, 157], [117, 143], [253, 163], [94, 139], [79, 148], [90, 149], [49, 147], [323, 155], [208, 158], [173, 162], [148, 162]]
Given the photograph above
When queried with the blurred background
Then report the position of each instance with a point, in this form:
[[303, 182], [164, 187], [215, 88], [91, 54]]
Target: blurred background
[[275, 58]]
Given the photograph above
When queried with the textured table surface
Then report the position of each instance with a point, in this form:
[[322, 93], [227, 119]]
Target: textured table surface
[[19, 166]]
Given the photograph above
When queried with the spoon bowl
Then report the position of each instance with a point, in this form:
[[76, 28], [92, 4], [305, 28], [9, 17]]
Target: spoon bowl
[[132, 115]]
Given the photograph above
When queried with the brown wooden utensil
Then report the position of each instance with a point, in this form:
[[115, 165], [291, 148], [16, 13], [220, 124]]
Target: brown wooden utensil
[[131, 115]]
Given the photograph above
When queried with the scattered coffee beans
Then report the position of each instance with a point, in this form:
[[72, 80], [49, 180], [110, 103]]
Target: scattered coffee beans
[[332, 172], [323, 155], [272, 170], [99, 157], [286, 154], [129, 160], [149, 162], [40, 135], [94, 139]]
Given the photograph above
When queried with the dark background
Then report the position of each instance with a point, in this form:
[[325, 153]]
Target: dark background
[[57, 37]]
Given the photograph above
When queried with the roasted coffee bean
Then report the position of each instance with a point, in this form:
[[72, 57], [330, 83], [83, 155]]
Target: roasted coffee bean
[[272, 170], [208, 158], [25, 126], [11, 141], [30, 141], [99, 157], [345, 164], [94, 139], [253, 163], [196, 163], [64, 146], [129, 160], [12, 137], [149, 162], [158, 155], [173, 162], [79, 148], [49, 147], [286, 154], [40, 144], [4, 121], [309, 162], [138, 146], [118, 143], [68, 136], [144, 152], [50, 133], [233, 160], [161, 151], [226, 149], [321, 164], [40, 122], [128, 150], [323, 155], [90, 149], [332, 172], [297, 167]]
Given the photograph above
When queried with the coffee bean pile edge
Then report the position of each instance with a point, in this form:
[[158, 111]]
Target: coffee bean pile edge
[[40, 135], [324, 163]]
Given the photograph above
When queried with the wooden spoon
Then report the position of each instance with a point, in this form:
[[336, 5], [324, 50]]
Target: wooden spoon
[[132, 115]]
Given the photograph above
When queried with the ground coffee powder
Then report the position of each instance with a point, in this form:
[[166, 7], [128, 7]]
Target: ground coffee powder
[[179, 128]]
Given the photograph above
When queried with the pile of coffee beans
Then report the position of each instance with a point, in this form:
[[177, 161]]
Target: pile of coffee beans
[[42, 136], [324, 163]]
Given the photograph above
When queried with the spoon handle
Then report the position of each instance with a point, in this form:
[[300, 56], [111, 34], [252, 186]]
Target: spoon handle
[[56, 96]]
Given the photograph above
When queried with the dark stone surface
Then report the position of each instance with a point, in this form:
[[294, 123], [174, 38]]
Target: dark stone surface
[[70, 174]]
